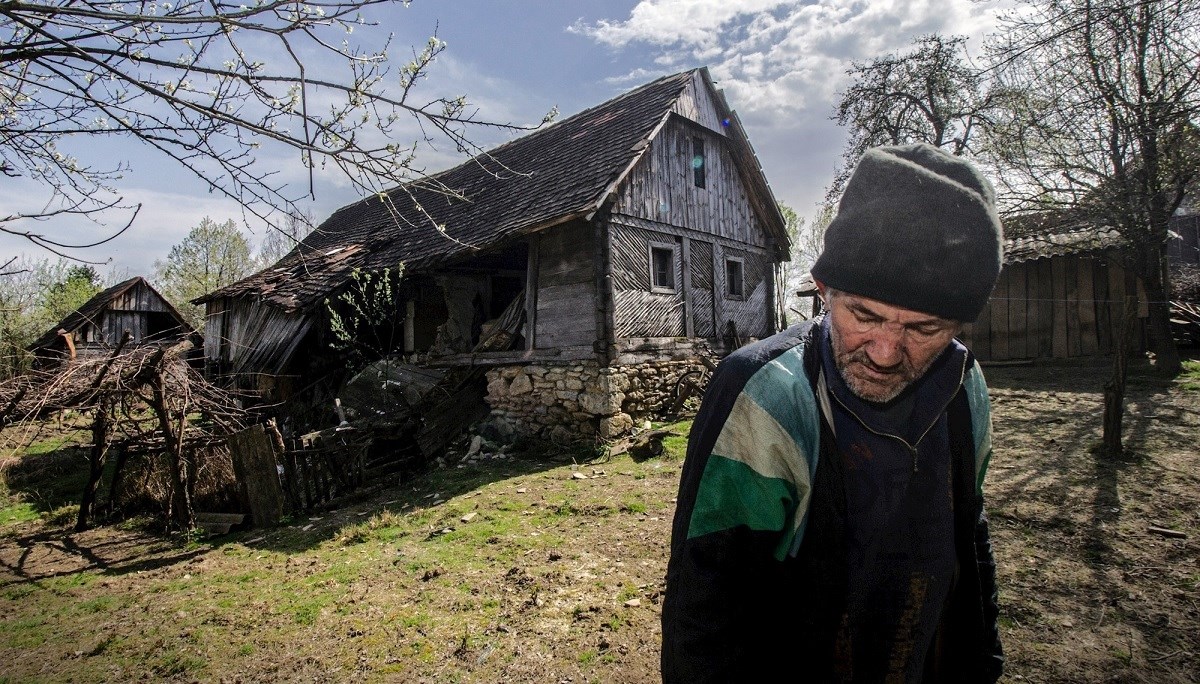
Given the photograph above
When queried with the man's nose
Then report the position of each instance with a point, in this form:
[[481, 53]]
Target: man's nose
[[886, 348]]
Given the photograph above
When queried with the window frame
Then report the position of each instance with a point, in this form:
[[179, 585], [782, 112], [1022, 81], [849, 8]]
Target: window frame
[[673, 250], [740, 294]]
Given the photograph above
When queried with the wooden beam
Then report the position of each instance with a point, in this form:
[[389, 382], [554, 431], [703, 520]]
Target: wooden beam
[[531, 283]]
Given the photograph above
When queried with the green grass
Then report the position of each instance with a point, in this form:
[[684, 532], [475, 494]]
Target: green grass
[[1190, 377], [277, 588], [14, 511]]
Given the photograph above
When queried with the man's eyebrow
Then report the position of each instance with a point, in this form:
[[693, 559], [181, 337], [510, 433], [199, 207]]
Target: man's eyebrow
[[859, 306]]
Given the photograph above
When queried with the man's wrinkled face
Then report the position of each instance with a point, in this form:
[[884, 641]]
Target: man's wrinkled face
[[880, 349]]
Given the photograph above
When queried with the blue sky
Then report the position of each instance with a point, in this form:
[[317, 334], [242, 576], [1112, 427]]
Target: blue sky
[[780, 63]]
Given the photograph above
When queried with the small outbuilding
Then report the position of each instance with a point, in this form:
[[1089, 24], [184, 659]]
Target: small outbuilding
[[96, 328], [1061, 293]]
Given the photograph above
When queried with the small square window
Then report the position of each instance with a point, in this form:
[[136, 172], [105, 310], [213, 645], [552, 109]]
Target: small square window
[[662, 268], [735, 284], [698, 163]]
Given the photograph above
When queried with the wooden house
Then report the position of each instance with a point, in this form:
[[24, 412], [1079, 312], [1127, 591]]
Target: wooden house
[[96, 328], [1060, 294], [582, 268]]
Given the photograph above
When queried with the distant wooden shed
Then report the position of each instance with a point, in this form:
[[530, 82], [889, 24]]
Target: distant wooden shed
[[1060, 294], [96, 328]]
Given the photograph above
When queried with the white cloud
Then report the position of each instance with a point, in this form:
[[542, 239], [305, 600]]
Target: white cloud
[[783, 56], [668, 22], [782, 63]]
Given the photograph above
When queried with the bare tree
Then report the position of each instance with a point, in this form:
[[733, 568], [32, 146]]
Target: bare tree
[[206, 84], [807, 236], [278, 242], [1102, 100], [931, 94]]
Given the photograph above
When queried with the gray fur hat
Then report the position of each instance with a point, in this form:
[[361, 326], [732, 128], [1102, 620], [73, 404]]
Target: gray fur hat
[[917, 228]]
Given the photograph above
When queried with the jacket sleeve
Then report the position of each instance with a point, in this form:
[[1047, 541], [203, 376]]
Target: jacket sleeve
[[735, 518], [993, 656]]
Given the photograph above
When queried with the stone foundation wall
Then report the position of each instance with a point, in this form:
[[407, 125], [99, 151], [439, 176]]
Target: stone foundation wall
[[579, 400]]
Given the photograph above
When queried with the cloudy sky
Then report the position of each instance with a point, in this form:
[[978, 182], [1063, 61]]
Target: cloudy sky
[[781, 64]]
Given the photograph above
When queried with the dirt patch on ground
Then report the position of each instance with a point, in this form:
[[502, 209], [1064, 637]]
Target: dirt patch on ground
[[558, 575]]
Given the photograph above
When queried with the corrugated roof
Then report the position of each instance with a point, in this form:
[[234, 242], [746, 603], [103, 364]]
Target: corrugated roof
[[542, 179], [1048, 234]]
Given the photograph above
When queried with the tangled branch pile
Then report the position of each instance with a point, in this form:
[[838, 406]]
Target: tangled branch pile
[[146, 402]]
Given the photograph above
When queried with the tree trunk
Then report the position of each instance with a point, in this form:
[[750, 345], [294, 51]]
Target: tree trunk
[[1114, 389], [114, 485], [1158, 327], [96, 458], [181, 469]]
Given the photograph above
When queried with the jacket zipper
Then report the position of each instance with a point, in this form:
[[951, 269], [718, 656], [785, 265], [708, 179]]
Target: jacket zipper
[[912, 448]]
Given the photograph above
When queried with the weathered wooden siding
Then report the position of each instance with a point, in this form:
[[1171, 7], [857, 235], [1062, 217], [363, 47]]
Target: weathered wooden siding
[[696, 104], [661, 187], [701, 289], [751, 313], [660, 202], [242, 336], [566, 292], [1060, 307], [128, 310], [137, 298], [639, 312], [700, 296]]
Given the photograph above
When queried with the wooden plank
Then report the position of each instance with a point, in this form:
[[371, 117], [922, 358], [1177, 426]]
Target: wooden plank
[[1045, 308], [1089, 343], [1061, 346], [564, 297], [1104, 330], [668, 229], [1074, 346], [978, 336], [702, 281], [255, 453], [1033, 322], [566, 338], [648, 314], [689, 326], [531, 288], [562, 319], [999, 319], [1018, 302], [1116, 295], [718, 289], [603, 289]]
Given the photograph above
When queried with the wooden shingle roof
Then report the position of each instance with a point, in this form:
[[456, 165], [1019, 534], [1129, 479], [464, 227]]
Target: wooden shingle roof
[[564, 171]]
